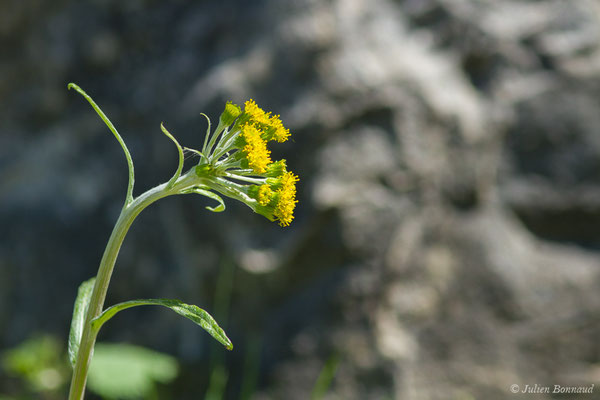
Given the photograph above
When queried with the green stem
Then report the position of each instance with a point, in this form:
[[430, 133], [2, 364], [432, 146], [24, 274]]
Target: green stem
[[128, 215]]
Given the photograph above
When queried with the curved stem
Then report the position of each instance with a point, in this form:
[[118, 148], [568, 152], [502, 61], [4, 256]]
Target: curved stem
[[128, 215]]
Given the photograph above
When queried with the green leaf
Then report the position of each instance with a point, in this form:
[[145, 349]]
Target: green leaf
[[82, 302], [206, 135], [117, 136], [38, 361], [179, 150], [190, 311], [121, 371], [214, 196], [204, 191], [325, 378]]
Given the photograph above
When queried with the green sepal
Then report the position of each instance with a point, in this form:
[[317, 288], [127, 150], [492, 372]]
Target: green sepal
[[189, 311], [231, 112], [276, 169], [82, 302]]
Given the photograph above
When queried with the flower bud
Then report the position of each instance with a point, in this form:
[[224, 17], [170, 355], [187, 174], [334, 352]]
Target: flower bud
[[231, 112], [276, 169]]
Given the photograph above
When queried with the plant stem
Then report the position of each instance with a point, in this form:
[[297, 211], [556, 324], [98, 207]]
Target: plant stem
[[128, 214]]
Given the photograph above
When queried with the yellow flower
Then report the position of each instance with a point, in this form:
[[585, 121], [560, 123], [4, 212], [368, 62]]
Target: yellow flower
[[240, 158], [255, 149], [270, 126], [265, 194], [286, 199], [255, 113], [280, 133]]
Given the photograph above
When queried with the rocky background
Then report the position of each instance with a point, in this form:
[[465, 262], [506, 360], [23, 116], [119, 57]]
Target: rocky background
[[446, 241]]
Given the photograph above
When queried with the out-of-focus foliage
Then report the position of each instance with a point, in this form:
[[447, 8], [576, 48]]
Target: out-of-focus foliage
[[325, 378], [121, 371], [40, 362], [118, 371]]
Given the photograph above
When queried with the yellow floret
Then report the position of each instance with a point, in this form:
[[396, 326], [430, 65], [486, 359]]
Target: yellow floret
[[255, 149], [265, 194], [281, 133], [286, 199], [288, 182], [256, 114]]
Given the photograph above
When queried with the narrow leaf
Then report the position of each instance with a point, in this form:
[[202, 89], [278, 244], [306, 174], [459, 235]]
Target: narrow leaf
[[214, 196], [325, 378], [114, 131], [205, 191], [82, 302], [206, 135], [191, 312], [180, 151]]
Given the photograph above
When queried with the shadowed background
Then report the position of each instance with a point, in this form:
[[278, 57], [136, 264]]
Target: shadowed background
[[445, 244]]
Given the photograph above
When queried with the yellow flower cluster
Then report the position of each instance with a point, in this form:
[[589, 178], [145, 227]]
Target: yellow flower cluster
[[271, 126], [279, 197], [257, 128], [286, 199], [256, 114], [280, 133], [271, 188], [265, 194], [255, 149]]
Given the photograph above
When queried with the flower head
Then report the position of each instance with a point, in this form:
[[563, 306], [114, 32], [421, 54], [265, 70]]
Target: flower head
[[255, 114], [270, 126], [280, 133], [239, 156], [264, 195], [255, 149], [286, 199]]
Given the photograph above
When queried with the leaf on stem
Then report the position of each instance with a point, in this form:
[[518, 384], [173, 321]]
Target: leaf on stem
[[213, 196], [82, 302], [189, 311], [180, 151], [112, 128], [206, 135], [205, 191]]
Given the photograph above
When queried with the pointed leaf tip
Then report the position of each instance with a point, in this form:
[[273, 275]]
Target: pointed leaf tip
[[189, 311]]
